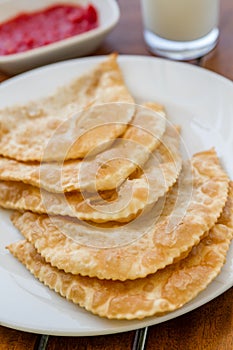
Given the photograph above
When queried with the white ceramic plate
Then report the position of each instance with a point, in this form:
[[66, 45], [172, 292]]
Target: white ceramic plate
[[201, 101], [75, 46]]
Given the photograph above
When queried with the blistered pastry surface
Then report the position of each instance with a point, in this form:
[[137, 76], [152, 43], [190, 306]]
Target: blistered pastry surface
[[189, 209], [164, 291]]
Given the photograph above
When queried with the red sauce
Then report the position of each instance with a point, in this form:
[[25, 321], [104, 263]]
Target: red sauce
[[30, 30]]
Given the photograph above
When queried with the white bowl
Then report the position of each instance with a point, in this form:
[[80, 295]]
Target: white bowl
[[75, 46]]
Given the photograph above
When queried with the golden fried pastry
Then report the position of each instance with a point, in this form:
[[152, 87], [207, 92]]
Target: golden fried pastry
[[65, 121], [175, 224], [156, 294], [106, 170], [134, 195]]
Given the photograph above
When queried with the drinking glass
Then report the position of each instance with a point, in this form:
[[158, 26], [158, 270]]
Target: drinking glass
[[180, 29]]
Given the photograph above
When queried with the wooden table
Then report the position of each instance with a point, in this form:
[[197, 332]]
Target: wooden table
[[207, 328]]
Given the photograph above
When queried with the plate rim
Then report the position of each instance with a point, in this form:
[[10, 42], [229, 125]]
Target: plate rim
[[146, 321]]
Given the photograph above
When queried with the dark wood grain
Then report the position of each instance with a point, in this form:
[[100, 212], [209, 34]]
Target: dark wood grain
[[220, 60], [107, 342], [127, 37], [11, 339], [3, 77], [209, 327]]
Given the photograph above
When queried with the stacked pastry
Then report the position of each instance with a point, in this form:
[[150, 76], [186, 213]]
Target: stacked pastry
[[112, 218]]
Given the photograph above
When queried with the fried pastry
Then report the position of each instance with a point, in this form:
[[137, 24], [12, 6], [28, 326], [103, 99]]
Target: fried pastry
[[133, 196], [156, 294], [74, 118], [106, 170], [176, 223]]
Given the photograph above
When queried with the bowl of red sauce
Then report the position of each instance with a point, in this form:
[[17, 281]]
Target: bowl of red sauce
[[34, 33]]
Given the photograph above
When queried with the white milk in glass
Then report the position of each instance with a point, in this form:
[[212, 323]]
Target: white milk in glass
[[180, 29], [180, 20]]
